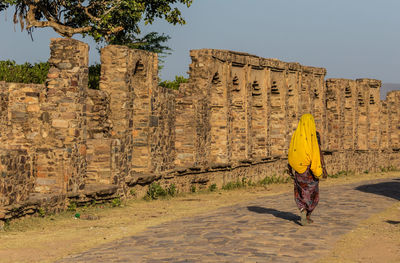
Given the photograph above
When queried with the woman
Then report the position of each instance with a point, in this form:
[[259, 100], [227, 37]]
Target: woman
[[306, 160]]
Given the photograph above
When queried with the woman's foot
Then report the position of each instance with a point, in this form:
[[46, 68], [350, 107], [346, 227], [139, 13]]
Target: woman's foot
[[303, 217], [309, 220]]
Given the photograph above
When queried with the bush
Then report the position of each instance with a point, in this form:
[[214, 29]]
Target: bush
[[173, 84], [116, 202], [212, 188], [94, 76], [10, 71], [172, 190], [25, 73], [156, 191]]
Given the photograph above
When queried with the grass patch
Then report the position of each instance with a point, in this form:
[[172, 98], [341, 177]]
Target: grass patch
[[344, 173], [390, 168], [274, 179], [213, 188], [156, 191], [116, 202]]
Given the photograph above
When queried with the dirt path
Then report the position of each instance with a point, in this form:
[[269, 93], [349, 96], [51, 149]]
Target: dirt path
[[262, 230], [241, 216]]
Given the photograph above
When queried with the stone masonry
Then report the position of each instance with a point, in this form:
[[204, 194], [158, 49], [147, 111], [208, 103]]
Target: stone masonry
[[233, 120]]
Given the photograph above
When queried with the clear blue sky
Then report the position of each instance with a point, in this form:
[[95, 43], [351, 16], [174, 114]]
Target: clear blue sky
[[350, 38]]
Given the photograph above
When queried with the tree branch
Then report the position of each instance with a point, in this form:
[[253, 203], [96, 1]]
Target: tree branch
[[63, 30]]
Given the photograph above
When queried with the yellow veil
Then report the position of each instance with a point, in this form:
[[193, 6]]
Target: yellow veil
[[304, 149]]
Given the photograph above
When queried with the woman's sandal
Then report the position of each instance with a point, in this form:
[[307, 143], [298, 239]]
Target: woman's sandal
[[303, 217]]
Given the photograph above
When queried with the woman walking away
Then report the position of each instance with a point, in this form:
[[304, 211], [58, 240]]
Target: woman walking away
[[305, 158]]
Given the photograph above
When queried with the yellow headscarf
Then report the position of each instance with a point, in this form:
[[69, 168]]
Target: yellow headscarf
[[304, 149]]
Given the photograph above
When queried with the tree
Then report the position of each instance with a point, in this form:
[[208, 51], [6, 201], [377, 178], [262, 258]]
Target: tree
[[110, 21]]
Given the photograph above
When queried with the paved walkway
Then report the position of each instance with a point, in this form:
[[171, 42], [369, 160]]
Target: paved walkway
[[264, 230]]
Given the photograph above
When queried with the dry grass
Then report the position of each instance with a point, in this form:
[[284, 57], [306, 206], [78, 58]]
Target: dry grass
[[46, 239]]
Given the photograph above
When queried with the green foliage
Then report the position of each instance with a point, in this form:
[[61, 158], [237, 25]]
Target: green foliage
[[6, 226], [133, 192], [340, 174], [110, 21], [152, 42], [156, 191], [193, 189], [37, 73], [72, 207], [25, 73], [390, 168], [236, 185], [171, 190], [41, 212], [274, 179], [232, 185], [173, 84], [213, 188], [116, 202], [94, 76]]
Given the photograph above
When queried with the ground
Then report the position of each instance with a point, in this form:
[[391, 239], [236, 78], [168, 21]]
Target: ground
[[258, 223]]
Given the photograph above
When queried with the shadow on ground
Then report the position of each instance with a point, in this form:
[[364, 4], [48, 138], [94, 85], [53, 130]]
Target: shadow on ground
[[392, 222], [280, 214], [388, 189]]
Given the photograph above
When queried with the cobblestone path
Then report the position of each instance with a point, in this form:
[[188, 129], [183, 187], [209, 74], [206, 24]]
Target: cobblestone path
[[263, 230]]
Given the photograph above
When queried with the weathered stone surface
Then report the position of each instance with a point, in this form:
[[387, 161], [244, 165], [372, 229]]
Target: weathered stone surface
[[232, 121]]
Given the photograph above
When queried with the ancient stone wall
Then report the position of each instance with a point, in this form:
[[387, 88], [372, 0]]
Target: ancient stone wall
[[233, 120], [246, 108], [19, 133]]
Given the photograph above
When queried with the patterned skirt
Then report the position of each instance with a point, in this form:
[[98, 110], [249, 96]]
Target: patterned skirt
[[306, 190]]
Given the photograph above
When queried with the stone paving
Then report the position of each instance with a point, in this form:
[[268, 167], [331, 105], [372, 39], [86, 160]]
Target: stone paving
[[263, 230]]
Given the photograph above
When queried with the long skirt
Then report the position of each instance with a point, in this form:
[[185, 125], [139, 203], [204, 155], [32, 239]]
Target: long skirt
[[306, 190]]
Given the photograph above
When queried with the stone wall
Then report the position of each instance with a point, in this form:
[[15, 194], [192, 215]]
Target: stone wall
[[233, 120], [246, 108]]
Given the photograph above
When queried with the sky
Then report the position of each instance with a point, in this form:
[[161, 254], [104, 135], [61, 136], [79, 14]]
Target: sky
[[350, 38]]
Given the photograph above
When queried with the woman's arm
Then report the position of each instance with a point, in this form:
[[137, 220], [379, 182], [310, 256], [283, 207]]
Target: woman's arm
[[324, 172]]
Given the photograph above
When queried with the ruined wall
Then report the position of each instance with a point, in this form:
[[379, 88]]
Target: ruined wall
[[392, 103], [246, 108], [139, 140], [233, 120], [19, 132]]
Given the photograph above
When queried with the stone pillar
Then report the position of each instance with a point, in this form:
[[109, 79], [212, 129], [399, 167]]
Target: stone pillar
[[293, 100], [318, 94], [62, 157], [115, 74], [277, 121], [305, 101], [334, 118], [384, 126], [238, 118], [374, 115], [393, 100], [259, 124], [362, 115], [185, 128], [349, 114], [219, 153], [130, 78], [143, 81]]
